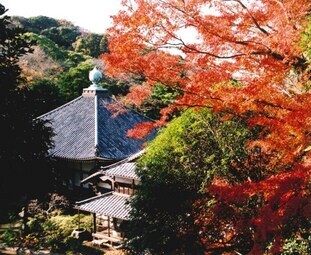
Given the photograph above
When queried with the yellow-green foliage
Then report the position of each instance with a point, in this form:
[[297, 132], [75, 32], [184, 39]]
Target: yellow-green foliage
[[47, 45], [306, 47], [306, 39], [68, 223], [196, 146], [55, 232], [58, 229]]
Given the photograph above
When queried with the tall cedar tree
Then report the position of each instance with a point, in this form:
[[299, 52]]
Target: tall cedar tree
[[24, 141], [245, 59]]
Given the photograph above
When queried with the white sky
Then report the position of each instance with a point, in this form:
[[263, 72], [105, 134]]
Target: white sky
[[93, 15]]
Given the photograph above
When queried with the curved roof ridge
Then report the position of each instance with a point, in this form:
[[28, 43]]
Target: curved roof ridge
[[82, 159]]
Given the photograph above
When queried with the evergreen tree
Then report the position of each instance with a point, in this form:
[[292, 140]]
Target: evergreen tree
[[24, 141]]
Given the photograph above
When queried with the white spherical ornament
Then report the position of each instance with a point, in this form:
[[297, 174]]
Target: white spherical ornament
[[95, 76]]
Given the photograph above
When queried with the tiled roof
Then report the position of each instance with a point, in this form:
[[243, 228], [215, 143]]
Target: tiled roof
[[109, 204], [86, 128], [126, 170]]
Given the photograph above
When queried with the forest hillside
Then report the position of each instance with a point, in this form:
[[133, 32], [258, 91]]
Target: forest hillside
[[63, 54]]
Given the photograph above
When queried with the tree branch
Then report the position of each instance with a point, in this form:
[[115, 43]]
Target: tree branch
[[251, 16]]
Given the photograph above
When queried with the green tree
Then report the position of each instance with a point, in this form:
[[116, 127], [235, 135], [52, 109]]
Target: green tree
[[63, 36], [91, 44], [36, 24], [47, 96], [116, 87], [66, 58], [47, 45], [178, 164], [160, 97], [24, 141], [71, 83], [73, 58]]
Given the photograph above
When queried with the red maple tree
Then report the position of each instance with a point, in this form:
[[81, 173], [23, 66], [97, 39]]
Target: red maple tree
[[243, 58]]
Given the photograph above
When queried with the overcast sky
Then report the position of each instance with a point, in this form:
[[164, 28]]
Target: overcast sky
[[93, 15]]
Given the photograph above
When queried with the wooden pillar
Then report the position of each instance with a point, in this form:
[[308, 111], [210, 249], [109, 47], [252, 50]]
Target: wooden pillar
[[108, 225], [78, 219], [112, 184], [81, 174], [94, 223]]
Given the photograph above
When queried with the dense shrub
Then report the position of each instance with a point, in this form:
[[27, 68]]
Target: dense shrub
[[54, 233], [51, 232], [9, 237]]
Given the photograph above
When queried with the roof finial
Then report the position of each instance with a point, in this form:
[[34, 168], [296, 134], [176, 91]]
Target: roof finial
[[95, 76]]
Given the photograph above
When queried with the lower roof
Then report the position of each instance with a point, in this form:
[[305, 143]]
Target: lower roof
[[110, 204], [125, 170]]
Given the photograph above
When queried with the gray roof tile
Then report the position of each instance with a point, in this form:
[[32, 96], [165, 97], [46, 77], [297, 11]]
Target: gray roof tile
[[76, 132], [126, 170], [110, 204]]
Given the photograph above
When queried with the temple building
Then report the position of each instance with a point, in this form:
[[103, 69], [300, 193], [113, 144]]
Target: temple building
[[110, 206], [91, 132]]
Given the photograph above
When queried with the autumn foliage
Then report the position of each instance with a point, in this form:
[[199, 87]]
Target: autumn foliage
[[242, 58]]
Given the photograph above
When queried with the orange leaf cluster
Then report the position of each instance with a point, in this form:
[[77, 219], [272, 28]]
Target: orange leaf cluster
[[242, 59], [138, 94], [251, 42], [141, 130]]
